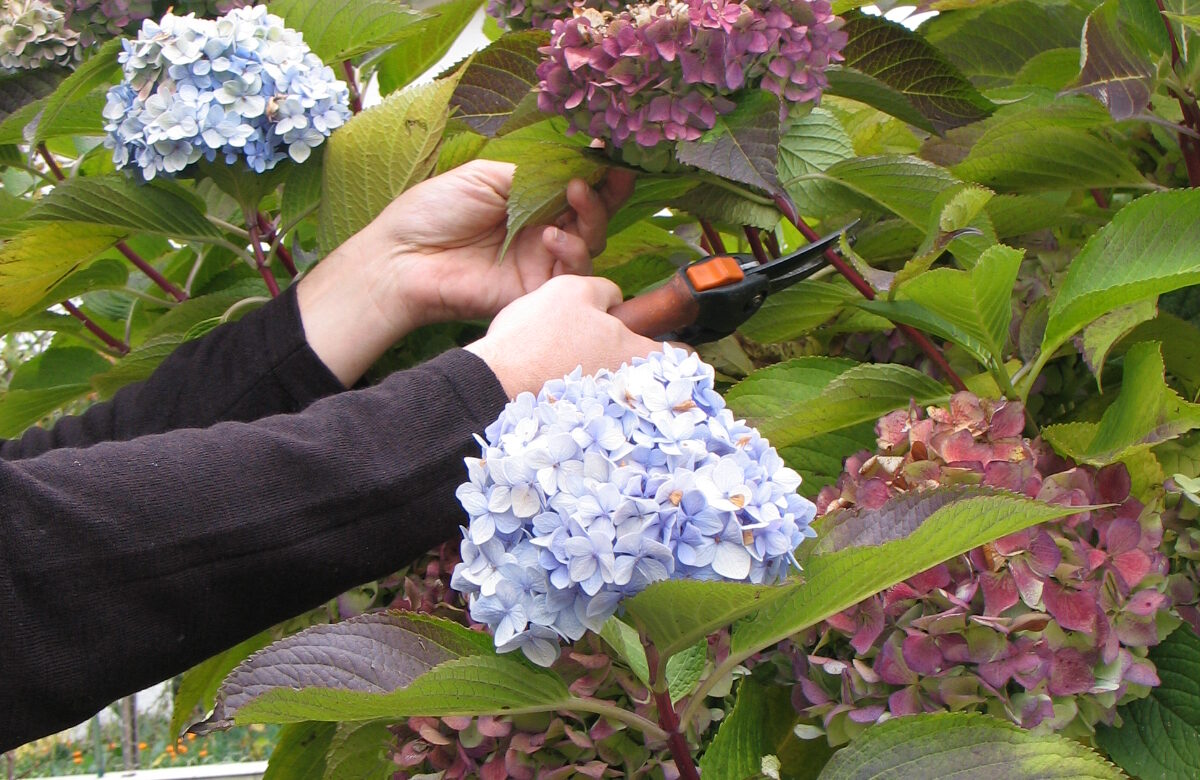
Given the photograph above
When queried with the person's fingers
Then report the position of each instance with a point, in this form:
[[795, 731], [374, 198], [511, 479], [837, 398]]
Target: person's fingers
[[491, 173], [591, 216], [598, 292], [570, 252]]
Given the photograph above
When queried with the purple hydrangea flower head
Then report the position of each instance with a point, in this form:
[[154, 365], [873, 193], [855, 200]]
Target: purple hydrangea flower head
[[239, 87], [663, 71], [524, 14], [1048, 626], [602, 485]]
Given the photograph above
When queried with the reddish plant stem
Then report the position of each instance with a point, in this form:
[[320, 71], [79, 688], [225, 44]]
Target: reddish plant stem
[[714, 237], [668, 718], [1187, 104], [1100, 197], [706, 246], [756, 245], [99, 332], [912, 334], [352, 83], [281, 251], [261, 261], [772, 244], [121, 246]]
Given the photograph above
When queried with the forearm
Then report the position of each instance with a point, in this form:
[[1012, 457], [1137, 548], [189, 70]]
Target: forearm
[[125, 563]]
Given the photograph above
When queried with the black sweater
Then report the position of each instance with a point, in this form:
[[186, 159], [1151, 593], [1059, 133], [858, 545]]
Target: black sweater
[[238, 486]]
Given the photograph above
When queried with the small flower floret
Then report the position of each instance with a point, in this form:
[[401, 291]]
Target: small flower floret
[[240, 87], [602, 485]]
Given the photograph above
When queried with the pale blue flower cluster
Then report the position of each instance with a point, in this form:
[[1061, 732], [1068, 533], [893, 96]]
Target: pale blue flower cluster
[[241, 86], [602, 485]]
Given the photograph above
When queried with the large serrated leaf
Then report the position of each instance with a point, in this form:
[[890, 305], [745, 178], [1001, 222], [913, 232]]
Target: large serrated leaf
[[991, 44], [382, 665], [36, 260], [361, 751], [23, 87], [945, 745], [539, 187], [1098, 338], [299, 752], [117, 202], [1149, 248], [862, 393], [754, 729], [775, 390], [137, 365], [1113, 71], [197, 689], [19, 409], [337, 30], [943, 529], [818, 460], [497, 79], [302, 188], [795, 311], [1160, 735], [811, 144], [56, 367], [907, 186], [98, 70], [905, 62], [430, 41], [743, 146], [377, 155]]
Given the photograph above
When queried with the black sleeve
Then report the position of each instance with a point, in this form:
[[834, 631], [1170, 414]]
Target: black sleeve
[[124, 563], [255, 367]]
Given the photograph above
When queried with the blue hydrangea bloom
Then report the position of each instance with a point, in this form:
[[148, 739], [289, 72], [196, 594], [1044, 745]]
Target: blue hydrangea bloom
[[239, 87], [601, 485]]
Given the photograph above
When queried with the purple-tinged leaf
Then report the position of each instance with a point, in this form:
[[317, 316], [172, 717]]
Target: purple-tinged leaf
[[496, 80], [1113, 71], [23, 87], [743, 146]]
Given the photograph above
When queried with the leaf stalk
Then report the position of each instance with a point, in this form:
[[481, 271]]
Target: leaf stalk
[[260, 259], [110, 340]]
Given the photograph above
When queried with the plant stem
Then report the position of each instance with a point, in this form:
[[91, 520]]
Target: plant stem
[[1187, 104], [228, 227], [608, 710], [772, 244], [260, 260], [756, 245], [912, 334], [121, 246], [352, 82], [281, 251], [714, 237], [667, 717], [1100, 198], [99, 332]]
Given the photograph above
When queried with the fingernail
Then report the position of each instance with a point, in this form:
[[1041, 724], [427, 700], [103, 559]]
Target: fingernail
[[560, 236]]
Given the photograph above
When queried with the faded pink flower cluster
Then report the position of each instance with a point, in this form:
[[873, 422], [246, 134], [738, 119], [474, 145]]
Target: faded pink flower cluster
[[1046, 626], [523, 14], [664, 70]]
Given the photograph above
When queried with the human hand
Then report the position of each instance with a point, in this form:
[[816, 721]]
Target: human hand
[[530, 341], [431, 256]]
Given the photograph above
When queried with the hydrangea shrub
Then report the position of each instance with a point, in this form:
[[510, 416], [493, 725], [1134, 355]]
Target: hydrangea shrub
[[602, 485], [33, 33], [241, 88]]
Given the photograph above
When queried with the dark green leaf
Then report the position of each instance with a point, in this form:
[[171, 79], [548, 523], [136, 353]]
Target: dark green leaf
[[870, 91], [302, 188], [23, 87], [118, 202], [539, 187], [497, 79], [743, 146], [20, 409], [946, 745], [811, 144], [337, 30], [136, 366], [56, 367], [361, 751], [683, 669], [902, 60], [797, 310], [1113, 71], [819, 459], [431, 39], [779, 389], [753, 729], [300, 752], [98, 70], [718, 204]]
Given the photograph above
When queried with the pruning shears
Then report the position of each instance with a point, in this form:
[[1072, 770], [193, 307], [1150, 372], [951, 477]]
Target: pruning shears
[[708, 299]]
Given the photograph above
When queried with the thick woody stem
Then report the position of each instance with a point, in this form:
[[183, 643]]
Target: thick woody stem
[[756, 245], [260, 260], [912, 334], [714, 238], [772, 244], [352, 83], [112, 341], [121, 246], [668, 719]]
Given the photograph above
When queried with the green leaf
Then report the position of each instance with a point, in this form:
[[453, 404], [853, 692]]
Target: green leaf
[[105, 273], [430, 40], [779, 389], [36, 260], [299, 752], [302, 188], [117, 202], [992, 43], [854, 85], [718, 204], [361, 751], [379, 154], [862, 393], [539, 188], [797, 310], [743, 146], [683, 669], [626, 643], [1160, 734], [818, 460], [383, 665], [56, 367], [19, 409], [24, 87], [459, 148], [902, 60], [337, 30], [948, 522], [137, 365], [1145, 413], [1147, 249], [676, 614], [811, 144], [1052, 69], [79, 117], [906, 186], [907, 312], [1098, 338], [1113, 71], [497, 79], [198, 686], [959, 744], [98, 70], [1032, 150], [1181, 347], [746, 734]]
